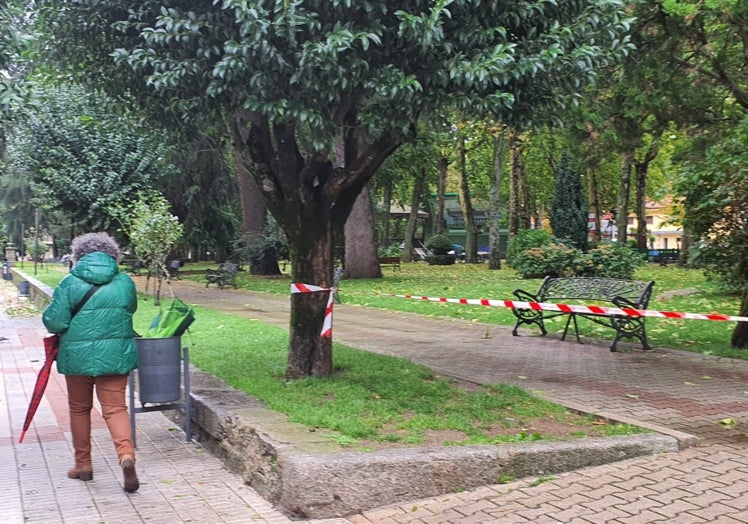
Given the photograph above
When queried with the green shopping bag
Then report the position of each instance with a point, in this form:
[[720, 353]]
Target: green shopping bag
[[172, 321]]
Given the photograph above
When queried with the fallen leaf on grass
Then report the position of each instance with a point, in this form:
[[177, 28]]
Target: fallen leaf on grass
[[728, 421]]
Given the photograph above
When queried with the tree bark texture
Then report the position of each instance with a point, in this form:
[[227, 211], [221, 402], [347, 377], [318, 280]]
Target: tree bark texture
[[441, 184], [361, 260], [624, 193], [594, 199], [466, 204], [641, 169], [519, 217], [494, 214]]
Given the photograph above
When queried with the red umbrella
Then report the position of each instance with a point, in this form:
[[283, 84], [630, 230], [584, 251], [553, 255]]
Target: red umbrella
[[51, 344]]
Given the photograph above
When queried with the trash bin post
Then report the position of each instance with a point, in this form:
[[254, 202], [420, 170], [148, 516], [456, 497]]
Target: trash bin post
[[158, 380]]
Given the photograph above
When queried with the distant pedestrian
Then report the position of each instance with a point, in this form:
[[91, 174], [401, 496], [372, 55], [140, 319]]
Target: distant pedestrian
[[97, 348]]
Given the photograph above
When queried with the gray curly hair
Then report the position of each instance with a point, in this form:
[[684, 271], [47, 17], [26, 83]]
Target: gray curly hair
[[91, 242]]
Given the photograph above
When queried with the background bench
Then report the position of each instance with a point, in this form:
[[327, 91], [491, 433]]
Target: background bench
[[621, 293], [393, 262], [223, 276]]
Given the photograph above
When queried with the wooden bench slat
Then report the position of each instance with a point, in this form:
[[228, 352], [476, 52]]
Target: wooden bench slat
[[393, 262]]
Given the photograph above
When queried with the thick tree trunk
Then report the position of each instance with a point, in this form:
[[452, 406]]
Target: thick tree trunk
[[252, 206], [311, 200], [361, 260], [494, 213], [309, 353], [624, 192], [441, 184], [466, 204]]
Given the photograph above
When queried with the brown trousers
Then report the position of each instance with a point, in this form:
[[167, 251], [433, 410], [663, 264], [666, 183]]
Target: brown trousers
[[110, 390]]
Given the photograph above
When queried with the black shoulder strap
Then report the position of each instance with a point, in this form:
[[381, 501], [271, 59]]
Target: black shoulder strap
[[84, 300]]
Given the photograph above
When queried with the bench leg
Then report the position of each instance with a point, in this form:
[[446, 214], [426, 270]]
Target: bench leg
[[572, 317], [630, 328], [538, 321]]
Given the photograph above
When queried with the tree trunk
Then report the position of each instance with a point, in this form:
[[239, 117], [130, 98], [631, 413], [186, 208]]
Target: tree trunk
[[624, 192], [386, 239], [641, 169], [466, 204], [252, 206], [494, 213], [685, 247], [361, 260], [309, 353], [740, 333], [514, 206], [250, 200], [642, 235], [519, 217], [415, 204], [311, 200], [594, 199], [441, 184]]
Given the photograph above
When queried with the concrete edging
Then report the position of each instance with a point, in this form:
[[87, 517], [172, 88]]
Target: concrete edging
[[305, 473]]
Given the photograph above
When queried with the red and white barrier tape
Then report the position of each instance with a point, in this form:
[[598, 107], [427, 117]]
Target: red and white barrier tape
[[309, 288], [568, 308]]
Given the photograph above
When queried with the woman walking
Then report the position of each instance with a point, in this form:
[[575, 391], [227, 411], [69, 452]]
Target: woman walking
[[92, 310]]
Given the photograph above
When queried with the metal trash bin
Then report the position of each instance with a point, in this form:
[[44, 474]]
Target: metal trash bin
[[24, 289], [159, 369], [162, 363]]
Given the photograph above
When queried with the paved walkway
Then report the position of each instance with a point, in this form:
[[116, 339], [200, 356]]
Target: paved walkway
[[679, 392]]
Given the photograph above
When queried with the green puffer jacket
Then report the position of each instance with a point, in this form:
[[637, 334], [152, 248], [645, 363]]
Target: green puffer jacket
[[99, 340]]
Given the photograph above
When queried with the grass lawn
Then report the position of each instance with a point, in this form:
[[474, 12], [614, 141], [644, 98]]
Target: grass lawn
[[375, 401]]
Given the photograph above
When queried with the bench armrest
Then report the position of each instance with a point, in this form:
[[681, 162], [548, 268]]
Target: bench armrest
[[625, 303], [525, 296]]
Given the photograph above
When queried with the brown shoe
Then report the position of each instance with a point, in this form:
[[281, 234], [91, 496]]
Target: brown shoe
[[81, 474], [131, 477]]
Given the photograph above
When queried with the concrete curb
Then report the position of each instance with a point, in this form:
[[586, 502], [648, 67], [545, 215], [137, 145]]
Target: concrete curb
[[304, 472]]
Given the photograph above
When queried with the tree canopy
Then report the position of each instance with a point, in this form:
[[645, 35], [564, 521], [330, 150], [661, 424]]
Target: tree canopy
[[80, 157]]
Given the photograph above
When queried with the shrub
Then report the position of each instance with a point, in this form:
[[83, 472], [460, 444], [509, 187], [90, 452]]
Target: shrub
[[524, 240], [614, 260], [557, 259], [439, 247], [554, 259], [439, 244]]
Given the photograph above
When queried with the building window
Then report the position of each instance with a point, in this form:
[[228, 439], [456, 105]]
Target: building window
[[650, 220]]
